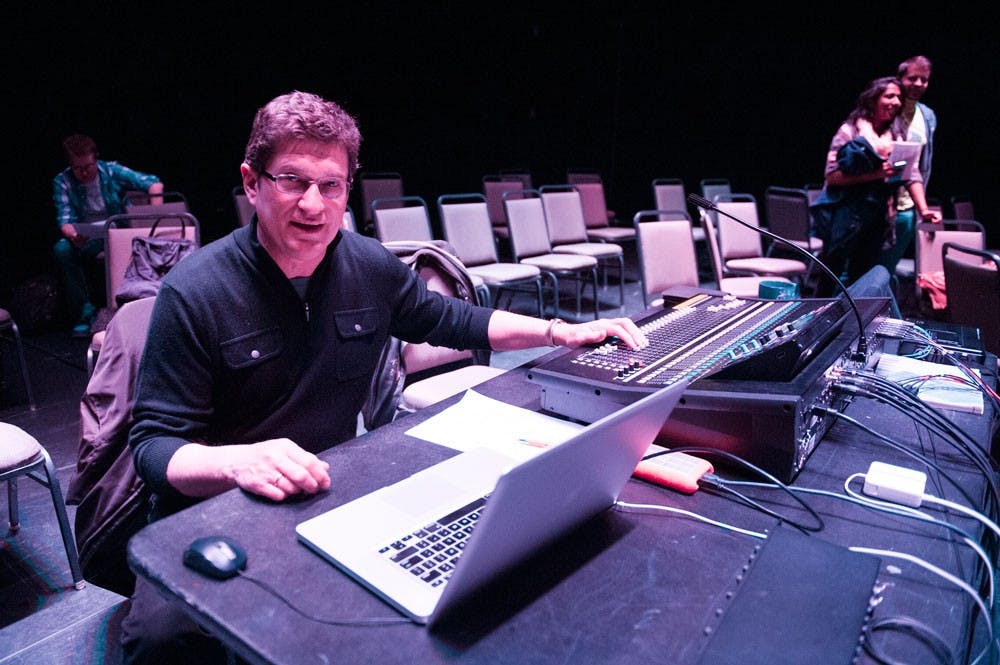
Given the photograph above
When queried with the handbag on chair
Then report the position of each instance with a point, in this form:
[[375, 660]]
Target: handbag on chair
[[152, 258]]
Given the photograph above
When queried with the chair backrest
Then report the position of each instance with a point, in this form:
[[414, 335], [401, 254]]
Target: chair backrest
[[962, 208], [244, 211], [787, 211], [494, 187], [521, 174], [930, 239], [402, 218], [581, 176], [438, 270], [669, 194], [373, 186], [526, 221], [735, 240], [137, 203], [712, 238], [349, 222], [466, 226], [972, 282], [563, 208], [595, 207], [121, 229], [666, 251], [712, 187], [813, 191]]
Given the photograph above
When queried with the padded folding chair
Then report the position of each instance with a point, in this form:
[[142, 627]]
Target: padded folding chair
[[121, 230], [22, 455], [597, 216], [928, 247], [373, 186], [466, 225], [741, 249], [666, 252], [972, 282], [401, 218], [349, 223], [787, 211], [529, 241], [577, 176], [670, 194], [494, 187], [961, 207], [712, 187], [434, 373], [7, 323], [744, 286], [567, 229], [244, 211]]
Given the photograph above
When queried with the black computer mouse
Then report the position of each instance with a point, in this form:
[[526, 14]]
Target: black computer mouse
[[216, 556]]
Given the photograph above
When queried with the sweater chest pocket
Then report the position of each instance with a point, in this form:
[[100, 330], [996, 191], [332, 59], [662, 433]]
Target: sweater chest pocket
[[252, 349], [358, 348]]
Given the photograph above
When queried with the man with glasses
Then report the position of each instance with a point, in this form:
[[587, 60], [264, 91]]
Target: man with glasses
[[262, 344], [89, 190]]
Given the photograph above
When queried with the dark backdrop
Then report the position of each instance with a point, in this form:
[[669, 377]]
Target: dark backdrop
[[448, 92]]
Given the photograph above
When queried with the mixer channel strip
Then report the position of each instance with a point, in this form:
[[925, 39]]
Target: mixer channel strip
[[689, 342]]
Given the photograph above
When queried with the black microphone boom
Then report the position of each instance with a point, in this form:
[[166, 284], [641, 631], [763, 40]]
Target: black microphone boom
[[862, 349]]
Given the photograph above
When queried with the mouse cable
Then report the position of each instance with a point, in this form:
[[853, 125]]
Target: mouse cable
[[917, 629], [710, 480], [330, 622]]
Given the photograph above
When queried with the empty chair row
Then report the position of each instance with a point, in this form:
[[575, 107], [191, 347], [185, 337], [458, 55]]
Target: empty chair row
[[560, 221]]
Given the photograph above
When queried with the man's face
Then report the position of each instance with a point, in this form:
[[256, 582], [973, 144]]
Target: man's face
[[915, 81], [295, 229], [83, 167]]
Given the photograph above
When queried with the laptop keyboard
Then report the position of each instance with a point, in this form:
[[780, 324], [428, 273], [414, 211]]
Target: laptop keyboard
[[431, 551]]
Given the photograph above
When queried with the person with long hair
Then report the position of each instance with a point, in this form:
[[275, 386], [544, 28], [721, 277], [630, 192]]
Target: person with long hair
[[855, 214]]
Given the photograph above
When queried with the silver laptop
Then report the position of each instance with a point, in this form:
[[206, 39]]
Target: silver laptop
[[403, 541]]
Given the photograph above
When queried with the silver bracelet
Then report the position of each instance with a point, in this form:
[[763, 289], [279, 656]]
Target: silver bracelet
[[548, 332]]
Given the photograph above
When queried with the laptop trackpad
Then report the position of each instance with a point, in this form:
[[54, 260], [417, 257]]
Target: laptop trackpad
[[465, 476]]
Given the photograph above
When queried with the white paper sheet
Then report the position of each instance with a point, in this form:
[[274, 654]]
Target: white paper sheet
[[909, 152], [479, 421]]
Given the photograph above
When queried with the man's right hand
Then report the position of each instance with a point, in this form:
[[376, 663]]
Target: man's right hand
[[279, 468], [276, 469]]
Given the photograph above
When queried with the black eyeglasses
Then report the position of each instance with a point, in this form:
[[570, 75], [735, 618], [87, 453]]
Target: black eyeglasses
[[289, 183]]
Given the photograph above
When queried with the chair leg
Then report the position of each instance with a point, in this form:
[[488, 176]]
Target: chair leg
[[13, 518], [555, 293], [596, 301], [621, 280], [67, 533], [538, 289], [24, 365]]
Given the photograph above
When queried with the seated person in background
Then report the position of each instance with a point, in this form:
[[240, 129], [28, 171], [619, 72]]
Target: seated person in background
[[262, 344], [89, 190]]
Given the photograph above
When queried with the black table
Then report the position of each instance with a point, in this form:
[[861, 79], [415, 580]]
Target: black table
[[626, 587]]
